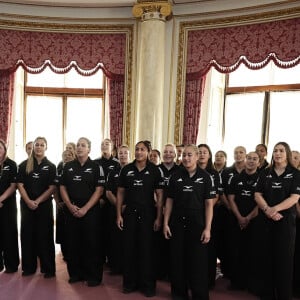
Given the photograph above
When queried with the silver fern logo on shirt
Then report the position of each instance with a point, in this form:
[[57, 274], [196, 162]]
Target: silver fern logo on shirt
[[199, 180], [45, 168], [276, 185], [6, 168], [246, 193], [88, 170], [188, 188], [138, 182], [288, 176], [130, 173]]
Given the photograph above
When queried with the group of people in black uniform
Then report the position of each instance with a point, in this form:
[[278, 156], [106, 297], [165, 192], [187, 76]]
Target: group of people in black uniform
[[149, 220]]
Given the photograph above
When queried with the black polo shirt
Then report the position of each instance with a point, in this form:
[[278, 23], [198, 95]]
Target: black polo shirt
[[140, 185], [81, 181], [8, 174], [107, 164], [227, 175], [190, 193], [39, 180], [276, 188], [216, 177], [243, 187], [113, 180]]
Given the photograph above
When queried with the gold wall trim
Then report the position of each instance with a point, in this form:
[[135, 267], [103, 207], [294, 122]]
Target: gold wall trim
[[185, 27], [128, 29]]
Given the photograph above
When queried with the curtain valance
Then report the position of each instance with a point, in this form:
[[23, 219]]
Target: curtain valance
[[254, 45], [34, 50]]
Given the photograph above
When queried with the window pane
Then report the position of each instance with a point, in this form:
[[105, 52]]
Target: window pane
[[246, 77], [284, 119], [75, 80], [269, 75], [69, 80], [243, 121], [44, 118], [45, 79], [84, 119]]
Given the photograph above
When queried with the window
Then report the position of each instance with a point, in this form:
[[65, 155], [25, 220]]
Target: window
[[261, 106], [63, 108]]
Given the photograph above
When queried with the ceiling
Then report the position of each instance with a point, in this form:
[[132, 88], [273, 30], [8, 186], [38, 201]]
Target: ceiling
[[93, 3]]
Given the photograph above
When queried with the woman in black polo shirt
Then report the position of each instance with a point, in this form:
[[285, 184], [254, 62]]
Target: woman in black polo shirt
[[9, 250], [81, 187], [277, 193], [138, 182], [187, 223], [36, 185]]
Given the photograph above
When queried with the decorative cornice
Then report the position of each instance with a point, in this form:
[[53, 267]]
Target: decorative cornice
[[152, 9], [185, 27]]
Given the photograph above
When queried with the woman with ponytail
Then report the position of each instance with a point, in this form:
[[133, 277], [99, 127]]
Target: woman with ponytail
[[36, 184]]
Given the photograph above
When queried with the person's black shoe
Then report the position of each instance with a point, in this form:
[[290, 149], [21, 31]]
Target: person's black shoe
[[10, 271], [74, 279], [128, 290], [149, 293], [27, 273], [92, 283], [49, 275]]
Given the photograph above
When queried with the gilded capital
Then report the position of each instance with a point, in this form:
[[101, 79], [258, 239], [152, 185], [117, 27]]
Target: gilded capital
[[152, 9]]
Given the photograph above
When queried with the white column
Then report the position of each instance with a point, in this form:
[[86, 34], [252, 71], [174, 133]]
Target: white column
[[150, 70]]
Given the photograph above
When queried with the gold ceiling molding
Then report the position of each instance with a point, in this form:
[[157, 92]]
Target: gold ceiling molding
[[162, 7], [185, 27]]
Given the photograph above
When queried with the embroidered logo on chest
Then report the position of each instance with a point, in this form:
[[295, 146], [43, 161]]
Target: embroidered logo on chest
[[138, 182]]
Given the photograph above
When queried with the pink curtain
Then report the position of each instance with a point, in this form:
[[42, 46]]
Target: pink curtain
[[6, 100], [116, 105], [86, 53], [225, 49], [192, 108], [254, 45]]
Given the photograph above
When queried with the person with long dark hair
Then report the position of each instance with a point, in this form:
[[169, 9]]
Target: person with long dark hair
[[9, 249], [277, 193], [36, 184], [205, 163], [187, 223], [138, 183]]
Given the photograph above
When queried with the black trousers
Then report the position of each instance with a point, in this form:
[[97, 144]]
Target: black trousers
[[84, 256], [138, 246], [115, 244], [189, 259], [9, 255], [277, 246], [37, 239], [241, 251]]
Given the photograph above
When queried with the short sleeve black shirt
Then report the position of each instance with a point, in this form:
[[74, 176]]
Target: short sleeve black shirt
[[243, 187], [81, 181], [140, 185], [8, 174], [190, 193], [39, 180], [276, 188]]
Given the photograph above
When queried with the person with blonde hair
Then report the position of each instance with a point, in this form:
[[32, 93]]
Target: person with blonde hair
[[9, 249], [36, 184], [115, 242]]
